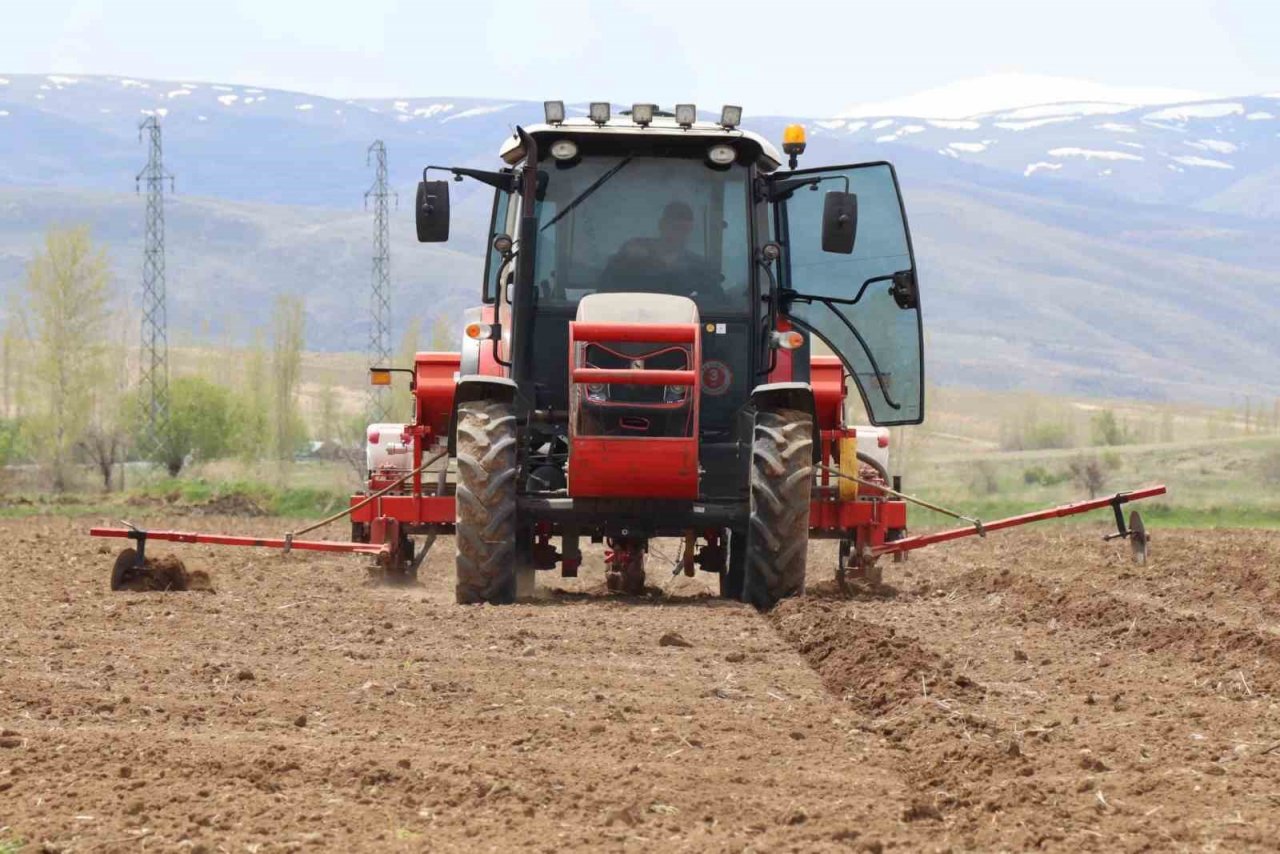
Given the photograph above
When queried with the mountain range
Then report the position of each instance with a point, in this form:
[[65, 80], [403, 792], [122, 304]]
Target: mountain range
[[1089, 247]]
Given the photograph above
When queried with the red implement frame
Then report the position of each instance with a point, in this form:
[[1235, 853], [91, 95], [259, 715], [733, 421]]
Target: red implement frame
[[911, 543], [376, 549]]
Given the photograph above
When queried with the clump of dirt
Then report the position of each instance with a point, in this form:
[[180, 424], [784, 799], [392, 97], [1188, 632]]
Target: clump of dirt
[[234, 504], [867, 664], [167, 574]]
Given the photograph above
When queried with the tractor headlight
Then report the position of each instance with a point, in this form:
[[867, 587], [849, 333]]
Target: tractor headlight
[[674, 394], [564, 149], [597, 392], [721, 155]]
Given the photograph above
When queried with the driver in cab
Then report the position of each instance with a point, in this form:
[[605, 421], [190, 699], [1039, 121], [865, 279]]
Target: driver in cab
[[664, 264]]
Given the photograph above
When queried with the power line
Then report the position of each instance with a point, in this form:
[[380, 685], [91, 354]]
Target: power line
[[154, 380], [380, 294]]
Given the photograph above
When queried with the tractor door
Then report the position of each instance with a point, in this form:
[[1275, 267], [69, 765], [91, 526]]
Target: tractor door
[[864, 305]]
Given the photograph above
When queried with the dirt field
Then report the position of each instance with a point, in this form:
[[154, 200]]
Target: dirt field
[[1032, 691]]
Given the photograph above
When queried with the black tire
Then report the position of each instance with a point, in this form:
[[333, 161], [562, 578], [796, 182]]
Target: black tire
[[486, 498], [781, 481], [731, 579]]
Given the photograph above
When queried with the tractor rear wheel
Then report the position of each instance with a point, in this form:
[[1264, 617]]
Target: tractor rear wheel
[[781, 481], [486, 497]]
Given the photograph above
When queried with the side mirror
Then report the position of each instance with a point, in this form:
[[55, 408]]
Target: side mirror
[[839, 222], [431, 210]]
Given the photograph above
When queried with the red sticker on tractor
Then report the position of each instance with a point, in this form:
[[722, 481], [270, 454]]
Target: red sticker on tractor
[[716, 378]]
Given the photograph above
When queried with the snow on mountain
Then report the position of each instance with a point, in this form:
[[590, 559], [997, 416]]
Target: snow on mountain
[[1045, 134], [999, 92], [1164, 208]]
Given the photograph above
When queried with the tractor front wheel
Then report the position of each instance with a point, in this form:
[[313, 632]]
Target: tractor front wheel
[[486, 497], [781, 481]]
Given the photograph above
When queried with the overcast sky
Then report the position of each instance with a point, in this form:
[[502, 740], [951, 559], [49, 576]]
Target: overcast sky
[[793, 56]]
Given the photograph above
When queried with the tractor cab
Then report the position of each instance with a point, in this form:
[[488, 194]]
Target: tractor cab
[[653, 284]]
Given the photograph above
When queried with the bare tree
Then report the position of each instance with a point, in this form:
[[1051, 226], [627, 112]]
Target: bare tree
[[402, 402], [443, 335], [1088, 474], [288, 326], [65, 308], [104, 449]]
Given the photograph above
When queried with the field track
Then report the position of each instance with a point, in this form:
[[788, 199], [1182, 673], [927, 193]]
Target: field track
[[1035, 690]]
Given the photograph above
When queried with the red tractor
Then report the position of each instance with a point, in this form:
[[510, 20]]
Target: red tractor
[[643, 365]]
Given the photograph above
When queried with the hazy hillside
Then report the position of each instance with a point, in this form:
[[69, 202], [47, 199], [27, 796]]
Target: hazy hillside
[[1081, 248]]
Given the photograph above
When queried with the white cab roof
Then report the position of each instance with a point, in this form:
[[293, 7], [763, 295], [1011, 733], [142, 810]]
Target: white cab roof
[[769, 160]]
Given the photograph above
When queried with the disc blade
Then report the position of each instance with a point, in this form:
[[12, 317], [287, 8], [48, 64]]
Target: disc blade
[[1138, 539]]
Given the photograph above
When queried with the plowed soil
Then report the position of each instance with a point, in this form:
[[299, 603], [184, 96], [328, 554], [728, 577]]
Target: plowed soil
[[1032, 691]]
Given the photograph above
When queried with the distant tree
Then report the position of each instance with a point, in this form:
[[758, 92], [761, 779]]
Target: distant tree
[[288, 331], [1036, 430], [65, 306], [410, 343], [443, 334], [984, 480], [252, 405], [1269, 470], [11, 441], [1088, 474], [327, 414], [11, 353], [1108, 430], [202, 424], [103, 447]]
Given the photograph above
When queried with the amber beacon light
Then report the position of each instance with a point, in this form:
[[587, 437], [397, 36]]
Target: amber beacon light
[[793, 143]]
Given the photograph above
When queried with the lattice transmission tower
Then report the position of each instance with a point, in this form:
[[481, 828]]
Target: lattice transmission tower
[[154, 380], [380, 293]]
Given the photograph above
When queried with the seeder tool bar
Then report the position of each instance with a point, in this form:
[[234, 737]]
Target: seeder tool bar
[[918, 542], [286, 543]]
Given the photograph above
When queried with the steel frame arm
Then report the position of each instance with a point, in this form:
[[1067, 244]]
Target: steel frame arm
[[918, 542]]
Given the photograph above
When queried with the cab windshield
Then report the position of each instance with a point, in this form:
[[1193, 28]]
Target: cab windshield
[[635, 223]]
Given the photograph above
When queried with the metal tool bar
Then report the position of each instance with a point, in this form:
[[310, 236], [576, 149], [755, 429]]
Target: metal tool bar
[[229, 540], [918, 542]]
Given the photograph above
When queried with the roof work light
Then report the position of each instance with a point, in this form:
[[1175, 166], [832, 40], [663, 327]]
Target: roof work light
[[554, 111], [599, 112], [642, 114], [686, 115], [730, 117]]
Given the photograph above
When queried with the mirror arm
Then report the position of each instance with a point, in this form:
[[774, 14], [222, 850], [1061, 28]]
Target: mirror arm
[[504, 181], [780, 191]]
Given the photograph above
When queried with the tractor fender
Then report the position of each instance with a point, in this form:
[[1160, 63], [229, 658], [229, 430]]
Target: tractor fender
[[790, 396], [477, 387]]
